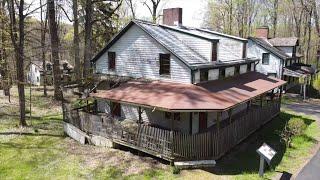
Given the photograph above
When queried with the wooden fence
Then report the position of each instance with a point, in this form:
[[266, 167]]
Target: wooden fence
[[175, 145]]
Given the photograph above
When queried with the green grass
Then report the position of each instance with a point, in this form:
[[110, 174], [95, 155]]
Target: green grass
[[41, 151], [246, 161]]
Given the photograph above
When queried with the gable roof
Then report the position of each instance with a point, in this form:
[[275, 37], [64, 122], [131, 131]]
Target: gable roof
[[170, 42], [163, 35], [284, 42], [268, 46]]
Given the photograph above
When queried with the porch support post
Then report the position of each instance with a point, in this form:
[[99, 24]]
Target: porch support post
[[172, 139], [248, 105], [140, 117], [218, 120], [230, 115], [190, 123], [261, 99]]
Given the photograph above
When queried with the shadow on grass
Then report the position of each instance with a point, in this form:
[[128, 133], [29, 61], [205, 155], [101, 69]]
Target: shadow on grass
[[244, 159], [30, 134]]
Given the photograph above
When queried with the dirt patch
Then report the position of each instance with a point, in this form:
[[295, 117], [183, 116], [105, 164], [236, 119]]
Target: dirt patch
[[95, 157]]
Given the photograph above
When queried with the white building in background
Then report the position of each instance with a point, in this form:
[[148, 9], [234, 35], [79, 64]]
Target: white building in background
[[34, 75]]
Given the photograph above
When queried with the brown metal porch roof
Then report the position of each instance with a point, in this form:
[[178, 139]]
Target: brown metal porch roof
[[212, 95]]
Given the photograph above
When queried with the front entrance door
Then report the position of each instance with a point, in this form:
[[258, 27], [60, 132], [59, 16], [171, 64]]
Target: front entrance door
[[202, 121]]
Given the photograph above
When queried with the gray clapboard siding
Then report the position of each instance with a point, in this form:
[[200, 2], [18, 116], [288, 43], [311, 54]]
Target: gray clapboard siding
[[274, 66], [202, 46], [287, 50], [228, 49], [137, 55]]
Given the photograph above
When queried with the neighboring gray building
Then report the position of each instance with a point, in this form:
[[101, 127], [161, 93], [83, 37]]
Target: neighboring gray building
[[278, 57]]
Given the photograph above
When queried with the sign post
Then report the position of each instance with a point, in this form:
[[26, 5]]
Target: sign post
[[266, 154]]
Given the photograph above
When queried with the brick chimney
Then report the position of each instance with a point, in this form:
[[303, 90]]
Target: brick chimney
[[172, 16], [262, 32]]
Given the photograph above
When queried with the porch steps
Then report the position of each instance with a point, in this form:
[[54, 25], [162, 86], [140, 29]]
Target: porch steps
[[195, 164]]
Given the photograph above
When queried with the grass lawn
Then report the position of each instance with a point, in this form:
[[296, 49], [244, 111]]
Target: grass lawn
[[41, 150]]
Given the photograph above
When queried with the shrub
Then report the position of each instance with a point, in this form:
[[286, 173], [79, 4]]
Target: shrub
[[294, 127]]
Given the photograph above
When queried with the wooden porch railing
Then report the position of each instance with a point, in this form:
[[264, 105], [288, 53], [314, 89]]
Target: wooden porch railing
[[175, 145], [214, 144]]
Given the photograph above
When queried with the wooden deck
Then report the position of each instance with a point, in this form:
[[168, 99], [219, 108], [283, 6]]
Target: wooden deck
[[173, 145]]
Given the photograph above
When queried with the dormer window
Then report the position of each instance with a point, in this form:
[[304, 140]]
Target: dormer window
[[265, 58], [164, 64], [214, 52], [112, 61]]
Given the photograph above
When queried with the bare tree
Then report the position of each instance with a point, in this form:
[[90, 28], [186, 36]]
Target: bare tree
[[316, 17], [87, 37], [152, 8], [130, 3], [76, 39], [17, 34], [88, 29], [53, 27], [43, 27]]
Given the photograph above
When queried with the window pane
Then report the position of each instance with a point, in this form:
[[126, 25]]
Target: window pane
[[112, 60], [164, 64], [265, 58]]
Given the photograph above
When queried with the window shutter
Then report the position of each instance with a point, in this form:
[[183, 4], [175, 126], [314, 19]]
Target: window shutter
[[214, 52]]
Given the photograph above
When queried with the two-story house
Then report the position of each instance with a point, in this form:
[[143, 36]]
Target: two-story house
[[192, 92]]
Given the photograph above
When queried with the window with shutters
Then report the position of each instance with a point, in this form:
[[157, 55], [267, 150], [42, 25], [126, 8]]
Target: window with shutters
[[214, 55], [164, 64], [112, 60]]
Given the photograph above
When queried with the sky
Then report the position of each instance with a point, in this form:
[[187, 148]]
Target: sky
[[192, 15]]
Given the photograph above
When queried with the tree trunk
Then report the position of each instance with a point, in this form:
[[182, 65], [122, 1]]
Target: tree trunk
[[18, 44], [275, 17], [43, 49], [76, 40], [316, 21], [54, 49], [87, 38]]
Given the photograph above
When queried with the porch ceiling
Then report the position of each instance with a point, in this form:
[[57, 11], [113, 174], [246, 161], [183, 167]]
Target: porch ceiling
[[209, 96]]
